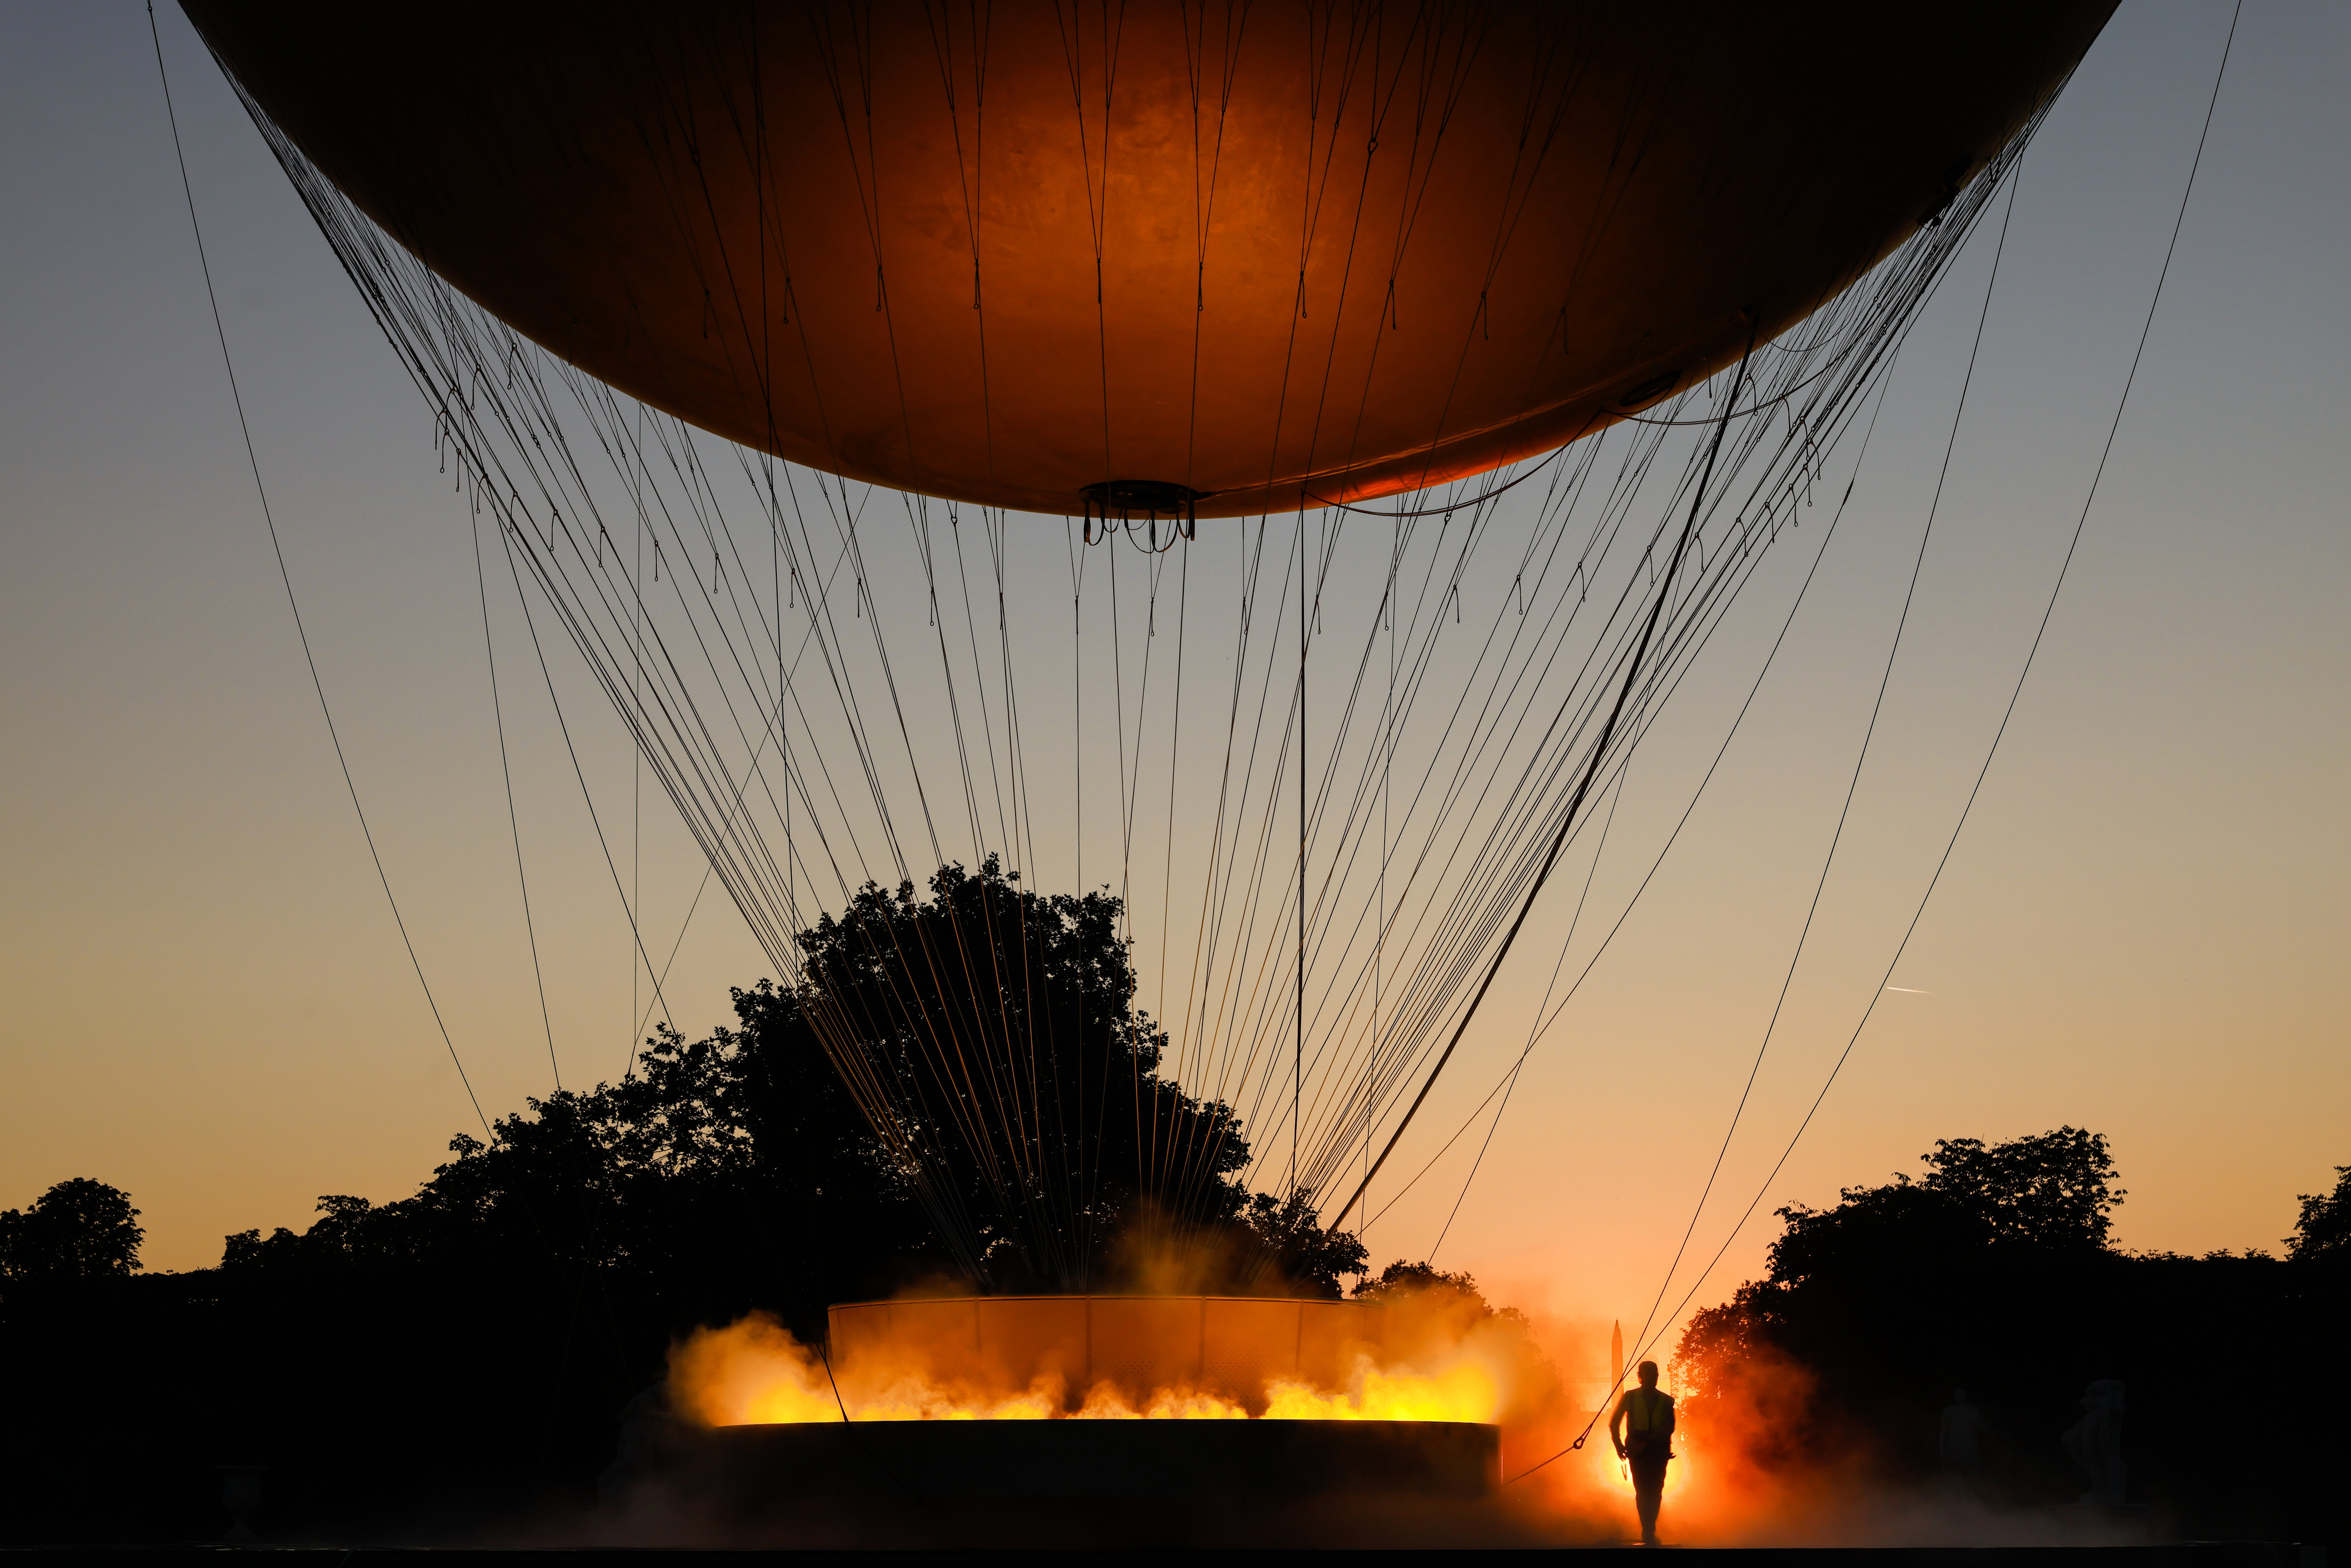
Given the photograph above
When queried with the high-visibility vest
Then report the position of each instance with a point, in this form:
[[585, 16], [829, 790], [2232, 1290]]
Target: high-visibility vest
[[1647, 1411]]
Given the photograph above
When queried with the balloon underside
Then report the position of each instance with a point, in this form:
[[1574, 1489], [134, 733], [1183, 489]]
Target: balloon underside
[[1222, 259]]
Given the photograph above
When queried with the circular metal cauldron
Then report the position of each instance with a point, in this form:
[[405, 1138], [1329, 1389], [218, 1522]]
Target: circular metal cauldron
[[1075, 1481], [1099, 1458], [1226, 1346]]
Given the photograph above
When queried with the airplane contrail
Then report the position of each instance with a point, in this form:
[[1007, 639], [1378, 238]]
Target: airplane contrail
[[1909, 990]]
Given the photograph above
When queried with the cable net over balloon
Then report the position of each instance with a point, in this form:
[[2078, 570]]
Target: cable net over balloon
[[843, 689]]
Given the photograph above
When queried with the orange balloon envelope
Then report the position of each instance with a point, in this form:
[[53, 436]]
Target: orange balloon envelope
[[1227, 257]]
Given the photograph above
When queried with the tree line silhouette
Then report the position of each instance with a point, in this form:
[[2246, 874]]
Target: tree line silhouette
[[469, 1345], [408, 1368], [1993, 1272], [738, 1169]]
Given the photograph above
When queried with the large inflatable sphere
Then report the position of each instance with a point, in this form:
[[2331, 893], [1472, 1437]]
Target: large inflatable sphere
[[1059, 253]]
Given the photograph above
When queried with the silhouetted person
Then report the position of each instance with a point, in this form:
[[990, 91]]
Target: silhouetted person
[[1958, 1442], [1643, 1431], [648, 1429], [2096, 1444]]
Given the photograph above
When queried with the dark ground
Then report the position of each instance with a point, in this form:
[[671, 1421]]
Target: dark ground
[[2209, 1555]]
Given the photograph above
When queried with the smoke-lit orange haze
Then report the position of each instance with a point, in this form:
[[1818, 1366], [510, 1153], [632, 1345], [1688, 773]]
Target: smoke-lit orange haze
[[1424, 1361], [1428, 1356], [2141, 932]]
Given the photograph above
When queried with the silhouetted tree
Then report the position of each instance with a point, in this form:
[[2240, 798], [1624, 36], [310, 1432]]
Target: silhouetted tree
[[1292, 1248], [722, 1174], [2054, 1190], [737, 1171], [79, 1229], [1993, 1270], [1893, 1269], [2325, 1228], [1400, 1279], [543, 1271], [1027, 1113]]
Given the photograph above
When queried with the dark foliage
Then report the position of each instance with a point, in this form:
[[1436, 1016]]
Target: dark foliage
[[1032, 1117], [1294, 1255], [407, 1369], [2051, 1196], [725, 1173], [1400, 1279], [1991, 1271], [2323, 1231], [79, 1229]]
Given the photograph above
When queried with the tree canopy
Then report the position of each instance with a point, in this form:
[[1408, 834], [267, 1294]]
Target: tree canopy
[[79, 1229], [2325, 1228], [1994, 1270], [738, 1170], [1012, 1088], [2052, 1192]]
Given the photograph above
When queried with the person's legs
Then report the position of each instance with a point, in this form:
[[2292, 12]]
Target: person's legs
[[1648, 1491]]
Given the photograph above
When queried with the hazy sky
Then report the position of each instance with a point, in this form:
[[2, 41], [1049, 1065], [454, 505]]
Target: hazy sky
[[2143, 930]]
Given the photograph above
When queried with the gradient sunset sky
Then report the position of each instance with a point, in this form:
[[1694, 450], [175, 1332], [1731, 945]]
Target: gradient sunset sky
[[2144, 930]]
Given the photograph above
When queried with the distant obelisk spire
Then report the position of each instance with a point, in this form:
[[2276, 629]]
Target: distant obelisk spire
[[1616, 1351]]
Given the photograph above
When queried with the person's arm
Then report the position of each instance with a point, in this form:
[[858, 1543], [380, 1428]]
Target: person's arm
[[1672, 1414], [1623, 1412]]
